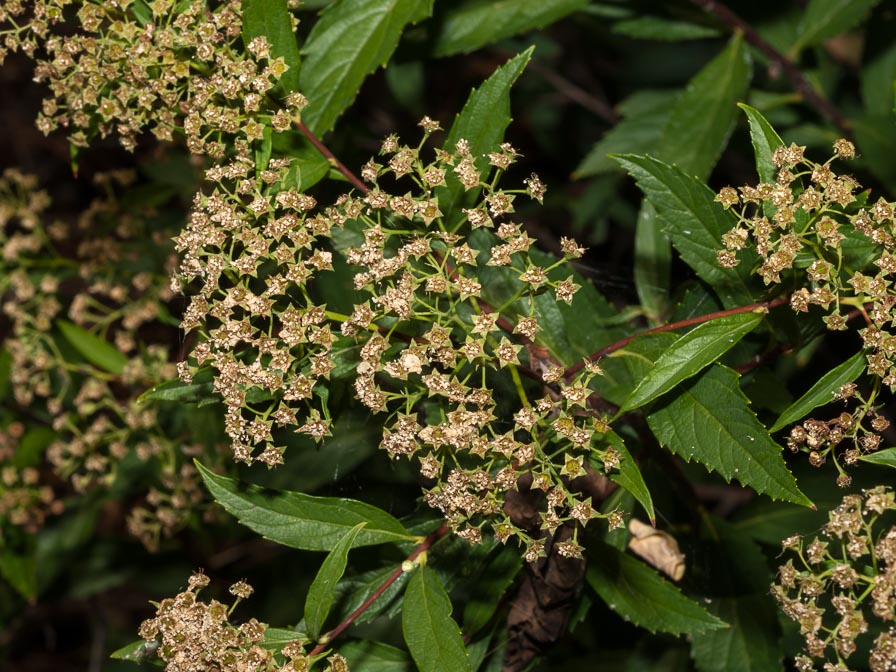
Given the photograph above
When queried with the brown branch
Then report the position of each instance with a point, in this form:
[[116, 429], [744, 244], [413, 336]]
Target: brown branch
[[421, 548], [797, 79], [575, 93], [613, 347], [336, 163]]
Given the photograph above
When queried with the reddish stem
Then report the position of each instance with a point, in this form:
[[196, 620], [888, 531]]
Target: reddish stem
[[337, 164], [421, 548], [613, 347]]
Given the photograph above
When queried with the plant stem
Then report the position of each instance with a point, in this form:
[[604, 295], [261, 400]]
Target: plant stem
[[613, 347], [337, 164], [421, 548]]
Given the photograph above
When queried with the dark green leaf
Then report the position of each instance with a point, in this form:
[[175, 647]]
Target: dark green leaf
[[139, 652], [695, 222], [432, 636], [665, 30], [628, 476], [271, 19], [277, 638], [177, 390], [886, 457], [32, 446], [690, 354], [351, 39], [765, 141], [93, 348], [644, 115], [823, 391], [489, 585], [878, 71], [876, 142], [624, 368], [705, 113], [640, 595], [473, 24], [748, 645], [369, 656], [653, 260], [708, 420], [824, 19], [482, 122], [302, 521], [21, 572], [320, 594]]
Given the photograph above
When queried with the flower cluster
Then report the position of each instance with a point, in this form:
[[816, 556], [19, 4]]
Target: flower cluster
[[163, 67], [423, 343], [87, 304], [840, 579], [190, 635]]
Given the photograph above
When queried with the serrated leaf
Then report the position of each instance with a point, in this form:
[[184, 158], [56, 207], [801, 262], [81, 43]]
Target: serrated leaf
[[823, 391], [824, 19], [628, 476], [662, 29], [473, 24], [705, 113], [690, 354], [748, 645], [351, 39], [695, 222], [765, 141], [302, 521], [708, 420], [432, 636], [93, 348], [323, 588], [271, 19], [644, 115], [886, 457], [639, 594], [482, 122]]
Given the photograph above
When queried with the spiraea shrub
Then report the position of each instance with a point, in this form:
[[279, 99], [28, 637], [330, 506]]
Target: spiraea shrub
[[291, 305]]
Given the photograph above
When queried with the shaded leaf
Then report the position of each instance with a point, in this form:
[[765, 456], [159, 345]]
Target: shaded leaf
[[320, 594], [177, 390], [473, 24], [823, 391], [690, 354], [765, 141], [708, 420], [20, 570], [695, 222], [94, 349], [372, 656], [489, 585], [653, 261], [302, 521], [432, 636], [140, 651], [749, 644], [628, 476], [662, 29], [351, 39], [271, 19], [824, 19], [639, 594]]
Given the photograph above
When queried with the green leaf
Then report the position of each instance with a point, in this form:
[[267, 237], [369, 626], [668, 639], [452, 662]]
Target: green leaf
[[432, 636], [320, 594], [644, 115], [765, 141], [886, 457], [695, 222], [370, 656], [640, 595], [351, 39], [488, 587], [824, 19], [705, 113], [277, 638], [302, 521], [271, 19], [139, 652], [20, 570], [473, 24], [709, 421], [93, 348], [482, 122], [653, 261], [823, 391], [690, 354], [628, 476], [878, 71], [748, 645], [662, 29], [177, 390], [876, 141]]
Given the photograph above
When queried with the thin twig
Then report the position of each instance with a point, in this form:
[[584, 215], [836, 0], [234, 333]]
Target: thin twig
[[800, 84], [575, 92], [613, 347], [421, 548], [336, 163]]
